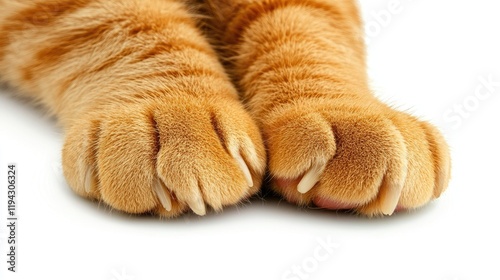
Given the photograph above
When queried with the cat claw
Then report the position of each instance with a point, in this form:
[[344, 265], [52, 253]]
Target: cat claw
[[390, 201], [310, 178], [162, 195], [244, 168], [89, 180], [197, 204]]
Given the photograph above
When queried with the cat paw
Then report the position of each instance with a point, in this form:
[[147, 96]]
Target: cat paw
[[358, 155], [166, 156]]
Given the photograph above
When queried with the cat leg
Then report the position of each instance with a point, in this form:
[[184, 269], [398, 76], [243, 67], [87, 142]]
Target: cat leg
[[301, 68], [152, 123]]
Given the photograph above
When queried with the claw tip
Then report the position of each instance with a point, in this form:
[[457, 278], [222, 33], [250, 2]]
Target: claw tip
[[391, 200], [198, 206], [162, 195], [244, 168], [310, 179]]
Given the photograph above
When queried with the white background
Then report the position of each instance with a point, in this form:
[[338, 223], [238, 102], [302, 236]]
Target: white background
[[427, 58]]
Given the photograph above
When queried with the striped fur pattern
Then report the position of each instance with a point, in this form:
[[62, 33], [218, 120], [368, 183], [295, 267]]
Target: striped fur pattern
[[154, 124]]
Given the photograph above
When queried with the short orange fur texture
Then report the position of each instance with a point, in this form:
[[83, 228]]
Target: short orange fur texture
[[171, 106]]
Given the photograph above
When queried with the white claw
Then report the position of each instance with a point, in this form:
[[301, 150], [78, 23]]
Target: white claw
[[244, 169], [310, 178], [89, 180], [391, 198], [197, 204], [162, 194]]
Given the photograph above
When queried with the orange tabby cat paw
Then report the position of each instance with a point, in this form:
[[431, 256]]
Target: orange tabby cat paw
[[165, 157], [356, 154]]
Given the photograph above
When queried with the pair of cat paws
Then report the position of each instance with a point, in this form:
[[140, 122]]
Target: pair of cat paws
[[170, 156]]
